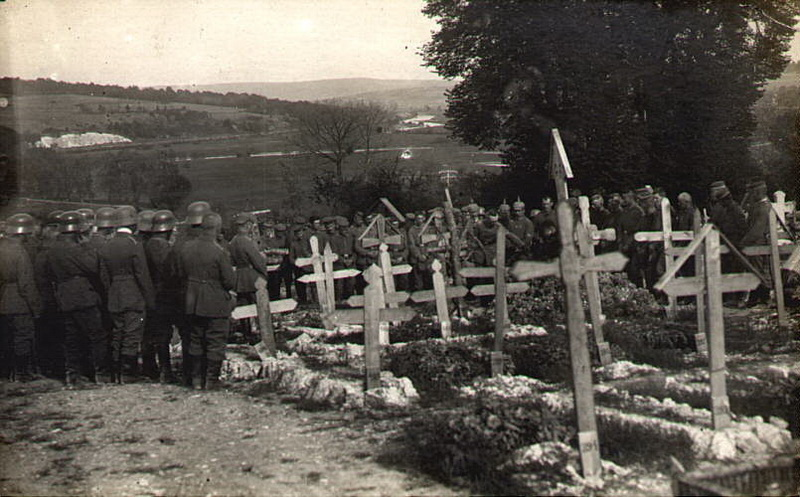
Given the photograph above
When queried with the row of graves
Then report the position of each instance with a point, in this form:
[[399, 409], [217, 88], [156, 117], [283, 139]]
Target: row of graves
[[537, 395]]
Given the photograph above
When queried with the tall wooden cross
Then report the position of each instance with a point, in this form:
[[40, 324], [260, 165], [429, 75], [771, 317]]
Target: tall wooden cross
[[560, 169], [500, 289], [571, 266], [323, 277], [713, 283], [441, 294], [375, 234], [590, 280], [263, 309], [371, 316]]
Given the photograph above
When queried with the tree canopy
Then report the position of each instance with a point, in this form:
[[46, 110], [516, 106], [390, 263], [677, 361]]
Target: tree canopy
[[643, 91]]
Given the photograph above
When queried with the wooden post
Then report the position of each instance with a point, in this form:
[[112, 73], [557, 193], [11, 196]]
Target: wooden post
[[265, 317], [560, 169], [775, 261], [579, 352], [666, 228], [701, 337], [591, 280], [455, 239], [442, 309], [373, 301], [500, 304], [720, 406], [330, 289]]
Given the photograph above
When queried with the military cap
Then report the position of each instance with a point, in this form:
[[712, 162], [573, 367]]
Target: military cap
[[643, 193], [757, 184], [342, 221], [244, 218], [125, 216], [328, 219], [300, 220], [71, 222], [280, 227], [473, 208], [196, 211], [145, 220], [718, 190], [211, 220], [410, 216], [597, 196], [20, 224], [163, 220]]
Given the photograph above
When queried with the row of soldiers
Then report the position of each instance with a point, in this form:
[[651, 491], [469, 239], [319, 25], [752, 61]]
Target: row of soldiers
[[90, 294]]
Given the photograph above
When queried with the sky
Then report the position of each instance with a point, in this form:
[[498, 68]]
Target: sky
[[159, 42], [163, 42]]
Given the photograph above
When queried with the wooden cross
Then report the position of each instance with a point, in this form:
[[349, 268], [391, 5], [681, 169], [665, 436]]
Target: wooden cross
[[323, 276], [394, 210], [371, 316], [379, 226], [782, 207], [571, 266], [263, 309], [500, 289], [560, 169], [590, 280], [440, 294], [714, 284]]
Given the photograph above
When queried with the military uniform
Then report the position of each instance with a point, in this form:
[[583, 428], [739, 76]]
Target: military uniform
[[276, 248], [250, 265], [209, 277], [69, 266], [342, 244], [162, 264], [19, 306], [300, 247], [123, 268]]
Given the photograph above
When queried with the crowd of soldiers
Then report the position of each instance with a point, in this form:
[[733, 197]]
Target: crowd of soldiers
[[94, 296]]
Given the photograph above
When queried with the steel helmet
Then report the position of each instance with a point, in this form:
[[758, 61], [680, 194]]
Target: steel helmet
[[211, 220], [145, 220], [71, 222], [88, 214], [163, 221], [104, 218], [54, 218], [20, 224], [196, 211], [125, 216]]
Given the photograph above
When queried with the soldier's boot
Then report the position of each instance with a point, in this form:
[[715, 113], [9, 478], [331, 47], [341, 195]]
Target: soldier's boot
[[198, 379], [149, 368], [130, 370], [212, 375], [188, 367], [164, 364]]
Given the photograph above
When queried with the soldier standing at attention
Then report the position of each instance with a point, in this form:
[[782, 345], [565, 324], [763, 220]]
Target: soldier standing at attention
[[276, 248], [249, 264], [209, 299], [299, 247], [49, 327], [726, 214], [756, 232], [19, 300], [161, 261], [123, 269], [69, 266], [629, 221], [104, 223], [684, 214], [523, 229]]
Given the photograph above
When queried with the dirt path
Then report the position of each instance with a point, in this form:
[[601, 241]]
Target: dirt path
[[149, 439]]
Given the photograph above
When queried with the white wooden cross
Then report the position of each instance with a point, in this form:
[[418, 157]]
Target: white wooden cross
[[371, 316], [441, 294], [378, 227], [560, 169], [571, 267], [323, 277], [713, 283], [263, 310]]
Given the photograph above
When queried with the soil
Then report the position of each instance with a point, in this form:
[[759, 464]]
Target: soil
[[151, 439]]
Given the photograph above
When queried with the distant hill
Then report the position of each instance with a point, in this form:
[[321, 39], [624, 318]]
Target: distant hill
[[406, 94]]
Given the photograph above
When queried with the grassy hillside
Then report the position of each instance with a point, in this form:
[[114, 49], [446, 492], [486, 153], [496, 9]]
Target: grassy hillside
[[404, 93]]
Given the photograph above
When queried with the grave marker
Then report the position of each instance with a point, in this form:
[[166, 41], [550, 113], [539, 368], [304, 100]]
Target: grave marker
[[441, 293], [571, 267], [560, 169], [714, 284], [263, 310], [371, 316]]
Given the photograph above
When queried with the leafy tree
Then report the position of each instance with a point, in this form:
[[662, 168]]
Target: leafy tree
[[655, 91]]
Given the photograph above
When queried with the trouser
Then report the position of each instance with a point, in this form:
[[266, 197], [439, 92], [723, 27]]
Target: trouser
[[301, 288], [126, 338], [50, 344], [156, 342], [209, 336], [86, 343], [16, 343], [344, 287]]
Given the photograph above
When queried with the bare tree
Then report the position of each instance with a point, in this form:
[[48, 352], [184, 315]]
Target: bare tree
[[336, 129]]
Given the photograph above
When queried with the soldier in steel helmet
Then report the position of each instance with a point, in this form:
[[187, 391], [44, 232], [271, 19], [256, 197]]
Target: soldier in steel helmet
[[104, 227], [144, 224], [162, 263], [49, 326], [249, 263], [19, 301], [123, 268], [69, 267], [210, 280]]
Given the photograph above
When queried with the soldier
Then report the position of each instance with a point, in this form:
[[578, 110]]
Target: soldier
[[342, 244], [123, 268], [19, 301], [599, 215], [276, 249], [725, 213], [69, 266], [49, 326], [162, 264], [104, 227], [684, 214], [650, 255], [435, 248], [504, 213], [144, 225], [209, 276], [249, 264], [757, 231], [399, 253], [629, 222], [523, 230], [545, 219]]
